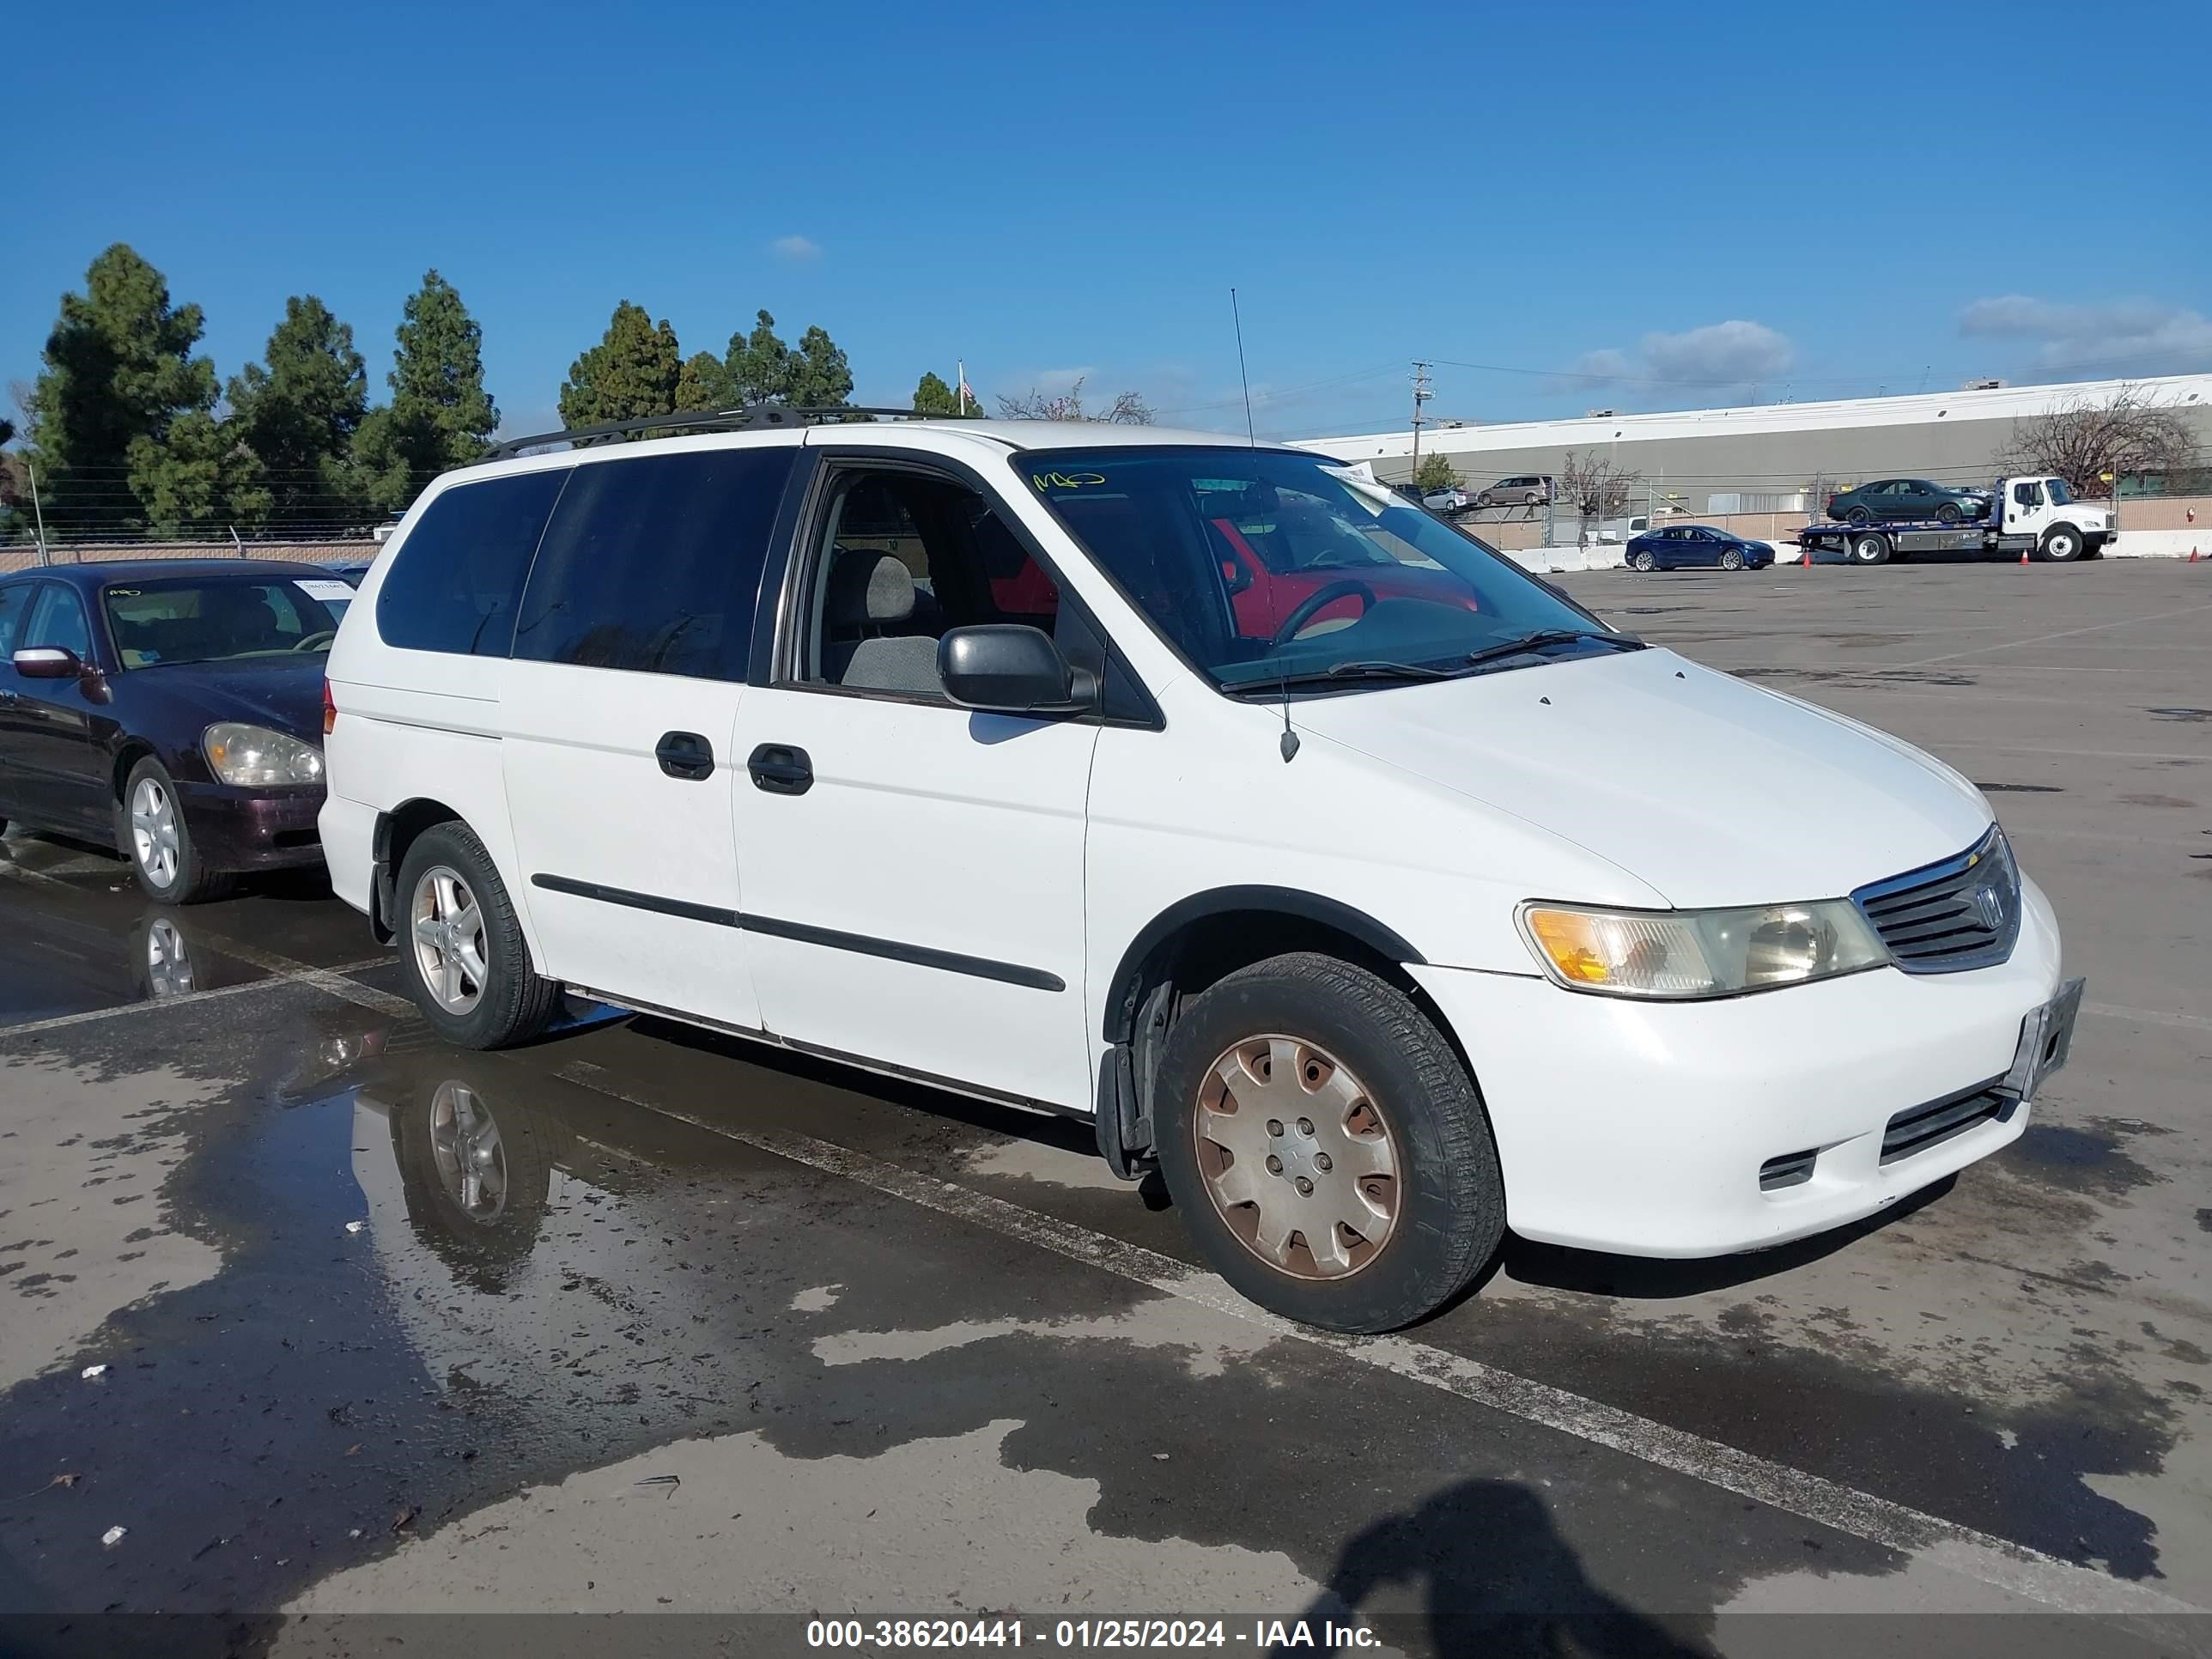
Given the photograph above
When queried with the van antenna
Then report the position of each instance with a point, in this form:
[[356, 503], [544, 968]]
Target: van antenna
[[1243, 380], [1290, 743]]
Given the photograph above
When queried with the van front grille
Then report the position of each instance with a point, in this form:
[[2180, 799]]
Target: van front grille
[[1946, 918]]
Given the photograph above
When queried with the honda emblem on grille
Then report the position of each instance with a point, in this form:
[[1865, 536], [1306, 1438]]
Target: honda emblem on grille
[[1989, 905]]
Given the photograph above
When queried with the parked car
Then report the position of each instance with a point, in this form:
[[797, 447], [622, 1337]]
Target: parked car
[[1262, 896], [1685, 546], [172, 707], [1451, 499], [1894, 500], [1523, 489]]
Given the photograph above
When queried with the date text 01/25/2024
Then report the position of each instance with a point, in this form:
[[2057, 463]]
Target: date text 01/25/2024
[[874, 1635]]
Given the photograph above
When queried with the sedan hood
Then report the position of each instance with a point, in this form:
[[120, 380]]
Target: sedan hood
[[284, 692], [1711, 791]]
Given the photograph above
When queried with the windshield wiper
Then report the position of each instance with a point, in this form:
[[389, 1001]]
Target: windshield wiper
[[1363, 669], [1546, 636]]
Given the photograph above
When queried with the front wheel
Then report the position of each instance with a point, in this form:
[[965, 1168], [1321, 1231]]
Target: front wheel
[[1327, 1148], [2062, 543], [467, 962], [1644, 561], [1733, 559], [1947, 513], [153, 835]]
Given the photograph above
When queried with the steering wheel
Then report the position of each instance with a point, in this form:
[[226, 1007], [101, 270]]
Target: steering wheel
[[1314, 602], [315, 641]]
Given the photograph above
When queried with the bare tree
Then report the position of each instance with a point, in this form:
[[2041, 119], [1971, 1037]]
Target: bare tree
[[1598, 488], [1127, 410], [2080, 439]]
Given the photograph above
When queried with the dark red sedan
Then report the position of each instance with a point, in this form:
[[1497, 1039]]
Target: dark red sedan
[[171, 707]]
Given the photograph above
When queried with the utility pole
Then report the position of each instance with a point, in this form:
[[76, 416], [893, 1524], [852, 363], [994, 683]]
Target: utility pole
[[38, 512], [1422, 393]]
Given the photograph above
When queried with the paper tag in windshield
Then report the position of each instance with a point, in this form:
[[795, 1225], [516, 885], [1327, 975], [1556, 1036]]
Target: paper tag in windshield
[[325, 590]]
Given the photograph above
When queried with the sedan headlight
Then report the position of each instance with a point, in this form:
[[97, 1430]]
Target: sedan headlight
[[1699, 953], [254, 758]]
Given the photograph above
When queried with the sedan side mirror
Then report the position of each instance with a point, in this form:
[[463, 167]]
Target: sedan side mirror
[[1009, 668], [48, 662]]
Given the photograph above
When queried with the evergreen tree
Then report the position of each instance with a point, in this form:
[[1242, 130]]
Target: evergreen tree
[[439, 415], [632, 373], [298, 416], [759, 364], [119, 372], [198, 474], [820, 378], [931, 395], [703, 384]]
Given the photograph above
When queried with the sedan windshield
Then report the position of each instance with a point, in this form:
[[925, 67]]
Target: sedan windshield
[[199, 620], [1266, 565]]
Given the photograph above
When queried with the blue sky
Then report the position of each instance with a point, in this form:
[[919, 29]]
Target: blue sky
[[1636, 207]]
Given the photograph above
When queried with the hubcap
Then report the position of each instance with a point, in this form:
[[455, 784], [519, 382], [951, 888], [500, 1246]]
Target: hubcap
[[1296, 1157], [168, 965], [153, 832], [449, 940], [464, 1145]]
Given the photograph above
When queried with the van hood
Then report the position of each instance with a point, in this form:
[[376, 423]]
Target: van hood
[[1712, 792]]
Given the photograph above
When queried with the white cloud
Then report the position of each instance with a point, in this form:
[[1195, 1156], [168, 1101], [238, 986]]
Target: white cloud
[[1734, 353], [2124, 336], [1734, 350], [798, 249]]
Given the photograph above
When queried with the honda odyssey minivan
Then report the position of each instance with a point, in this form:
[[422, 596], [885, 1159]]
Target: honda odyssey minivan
[[1378, 922]]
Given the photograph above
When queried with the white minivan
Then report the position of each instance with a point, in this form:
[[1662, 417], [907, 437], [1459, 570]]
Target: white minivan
[[1364, 884]]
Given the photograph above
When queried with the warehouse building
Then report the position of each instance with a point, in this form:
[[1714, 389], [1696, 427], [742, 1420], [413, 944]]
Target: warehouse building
[[1777, 457]]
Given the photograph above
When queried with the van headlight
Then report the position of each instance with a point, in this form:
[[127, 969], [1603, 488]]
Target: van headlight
[[254, 758], [1699, 953]]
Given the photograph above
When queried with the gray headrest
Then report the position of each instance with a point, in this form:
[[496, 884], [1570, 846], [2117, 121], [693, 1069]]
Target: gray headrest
[[868, 586]]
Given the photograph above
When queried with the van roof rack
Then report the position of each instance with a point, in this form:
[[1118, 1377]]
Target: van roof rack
[[750, 418]]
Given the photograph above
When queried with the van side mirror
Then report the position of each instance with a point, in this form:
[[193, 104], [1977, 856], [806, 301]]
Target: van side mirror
[[1010, 668], [48, 662]]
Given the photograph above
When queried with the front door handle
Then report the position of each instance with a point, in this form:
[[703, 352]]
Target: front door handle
[[685, 755], [781, 769]]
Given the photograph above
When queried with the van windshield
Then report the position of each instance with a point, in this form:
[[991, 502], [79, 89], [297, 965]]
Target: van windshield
[[1258, 565]]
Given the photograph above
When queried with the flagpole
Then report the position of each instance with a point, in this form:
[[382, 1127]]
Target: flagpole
[[960, 369]]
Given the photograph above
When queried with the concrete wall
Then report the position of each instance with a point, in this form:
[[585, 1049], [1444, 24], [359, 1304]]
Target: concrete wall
[[25, 558]]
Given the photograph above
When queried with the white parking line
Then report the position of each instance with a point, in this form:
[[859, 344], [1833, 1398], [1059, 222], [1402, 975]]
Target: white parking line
[[2062, 634], [318, 977], [1960, 1549]]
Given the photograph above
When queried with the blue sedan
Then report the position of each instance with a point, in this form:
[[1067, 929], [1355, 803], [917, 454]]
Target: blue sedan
[[1676, 546]]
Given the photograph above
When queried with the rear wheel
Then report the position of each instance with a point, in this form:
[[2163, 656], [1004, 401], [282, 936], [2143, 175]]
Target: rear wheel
[[2062, 543], [1870, 550], [153, 835], [467, 962], [1531, 498], [1327, 1149], [1859, 515]]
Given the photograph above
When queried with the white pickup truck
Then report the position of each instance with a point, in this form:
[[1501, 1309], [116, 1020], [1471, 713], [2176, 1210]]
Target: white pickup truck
[[2036, 516]]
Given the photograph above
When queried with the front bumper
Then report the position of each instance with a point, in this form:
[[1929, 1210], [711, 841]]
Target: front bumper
[[1641, 1128], [252, 828]]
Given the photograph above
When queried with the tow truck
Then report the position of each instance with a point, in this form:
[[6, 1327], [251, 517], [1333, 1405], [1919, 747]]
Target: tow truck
[[2038, 517]]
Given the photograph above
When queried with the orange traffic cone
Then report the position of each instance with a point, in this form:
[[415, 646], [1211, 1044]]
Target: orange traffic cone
[[1806, 563], [2023, 555], [2192, 556]]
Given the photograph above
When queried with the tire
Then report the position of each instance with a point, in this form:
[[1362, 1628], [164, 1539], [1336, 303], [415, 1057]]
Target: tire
[[150, 830], [1646, 563], [1733, 559], [1859, 515], [494, 997], [2061, 544], [477, 1179], [1426, 1184], [1869, 549], [1531, 498], [1948, 515]]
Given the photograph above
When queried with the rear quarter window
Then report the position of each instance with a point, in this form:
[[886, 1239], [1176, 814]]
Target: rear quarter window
[[456, 580]]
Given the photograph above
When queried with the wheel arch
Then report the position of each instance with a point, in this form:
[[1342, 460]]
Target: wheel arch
[[396, 831]]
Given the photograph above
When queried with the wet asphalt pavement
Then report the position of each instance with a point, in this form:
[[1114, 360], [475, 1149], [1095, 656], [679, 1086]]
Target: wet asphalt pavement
[[736, 1332]]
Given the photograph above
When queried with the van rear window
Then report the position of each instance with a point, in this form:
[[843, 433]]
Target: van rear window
[[458, 574]]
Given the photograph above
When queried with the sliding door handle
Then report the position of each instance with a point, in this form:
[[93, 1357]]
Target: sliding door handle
[[685, 755]]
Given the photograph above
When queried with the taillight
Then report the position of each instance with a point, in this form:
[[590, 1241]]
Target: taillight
[[330, 708]]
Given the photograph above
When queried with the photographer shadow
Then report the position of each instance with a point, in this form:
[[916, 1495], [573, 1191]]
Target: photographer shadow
[[1498, 1580]]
